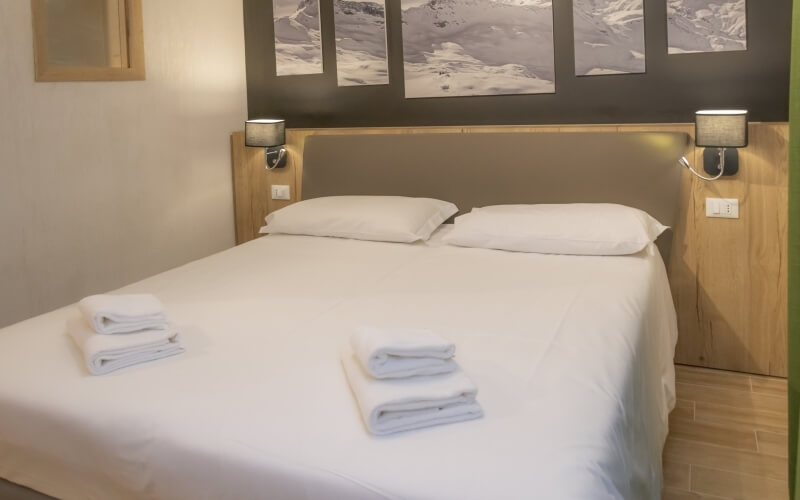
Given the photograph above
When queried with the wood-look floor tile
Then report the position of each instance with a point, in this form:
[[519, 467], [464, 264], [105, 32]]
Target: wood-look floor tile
[[730, 397], [713, 378], [712, 434], [683, 409], [677, 475], [746, 418], [728, 432], [717, 457], [773, 443], [769, 385], [672, 494], [737, 486]]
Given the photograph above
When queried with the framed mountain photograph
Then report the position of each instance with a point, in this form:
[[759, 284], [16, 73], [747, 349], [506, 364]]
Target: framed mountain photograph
[[609, 36], [477, 47], [298, 44], [706, 25], [360, 42]]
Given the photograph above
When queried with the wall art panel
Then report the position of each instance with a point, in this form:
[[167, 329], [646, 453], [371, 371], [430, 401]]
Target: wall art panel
[[298, 44], [360, 42], [706, 25], [609, 36], [477, 47]]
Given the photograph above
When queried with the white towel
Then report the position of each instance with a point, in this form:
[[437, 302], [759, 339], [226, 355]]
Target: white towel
[[398, 405], [106, 353], [402, 352], [123, 313]]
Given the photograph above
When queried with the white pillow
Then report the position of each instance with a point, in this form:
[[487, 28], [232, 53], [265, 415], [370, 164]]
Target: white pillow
[[375, 218], [571, 229]]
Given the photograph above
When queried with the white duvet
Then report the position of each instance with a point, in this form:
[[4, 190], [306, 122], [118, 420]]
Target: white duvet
[[572, 357]]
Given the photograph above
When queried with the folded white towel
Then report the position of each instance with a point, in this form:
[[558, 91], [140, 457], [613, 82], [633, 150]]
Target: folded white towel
[[402, 352], [106, 353], [398, 405], [123, 313]]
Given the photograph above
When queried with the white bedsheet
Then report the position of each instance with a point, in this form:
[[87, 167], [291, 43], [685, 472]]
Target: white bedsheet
[[572, 357]]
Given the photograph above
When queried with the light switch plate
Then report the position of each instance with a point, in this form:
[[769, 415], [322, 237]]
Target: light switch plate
[[725, 208], [281, 192]]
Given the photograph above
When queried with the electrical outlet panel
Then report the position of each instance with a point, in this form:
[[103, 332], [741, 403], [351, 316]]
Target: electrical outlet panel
[[281, 192], [725, 208]]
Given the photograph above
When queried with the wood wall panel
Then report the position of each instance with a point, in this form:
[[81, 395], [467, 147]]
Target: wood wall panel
[[728, 277], [250, 188]]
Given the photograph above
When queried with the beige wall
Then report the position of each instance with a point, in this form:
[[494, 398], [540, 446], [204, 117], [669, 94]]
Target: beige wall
[[102, 184]]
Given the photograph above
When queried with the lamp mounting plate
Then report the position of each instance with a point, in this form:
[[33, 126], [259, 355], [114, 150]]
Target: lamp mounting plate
[[276, 157], [711, 161]]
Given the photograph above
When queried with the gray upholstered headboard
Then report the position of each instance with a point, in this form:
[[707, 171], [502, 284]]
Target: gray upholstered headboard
[[474, 170]]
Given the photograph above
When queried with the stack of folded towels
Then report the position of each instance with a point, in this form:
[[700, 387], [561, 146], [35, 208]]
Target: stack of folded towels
[[407, 379], [117, 331]]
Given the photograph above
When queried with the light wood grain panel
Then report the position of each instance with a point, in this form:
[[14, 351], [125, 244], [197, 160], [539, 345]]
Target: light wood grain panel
[[718, 457], [677, 474], [737, 486], [713, 434], [720, 469], [728, 277], [242, 196], [684, 409], [723, 396], [278, 176], [714, 378], [511, 129], [767, 385], [295, 141], [773, 443], [250, 187], [117, 33], [675, 494], [588, 128], [769, 199], [738, 417]]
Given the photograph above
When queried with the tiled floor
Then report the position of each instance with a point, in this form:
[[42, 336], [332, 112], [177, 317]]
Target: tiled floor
[[727, 437]]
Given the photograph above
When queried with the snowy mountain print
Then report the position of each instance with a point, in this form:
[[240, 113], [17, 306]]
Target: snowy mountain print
[[706, 25], [360, 42], [609, 36], [298, 45], [477, 47]]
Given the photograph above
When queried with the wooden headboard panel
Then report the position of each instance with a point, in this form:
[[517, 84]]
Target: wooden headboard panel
[[638, 169], [728, 277]]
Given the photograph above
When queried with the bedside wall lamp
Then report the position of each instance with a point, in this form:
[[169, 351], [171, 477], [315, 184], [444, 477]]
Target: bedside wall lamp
[[270, 134], [717, 130]]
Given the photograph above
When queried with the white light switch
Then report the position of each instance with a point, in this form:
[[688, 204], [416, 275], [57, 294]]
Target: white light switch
[[726, 208], [281, 192]]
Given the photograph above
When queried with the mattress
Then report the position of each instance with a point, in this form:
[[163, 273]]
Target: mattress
[[572, 356]]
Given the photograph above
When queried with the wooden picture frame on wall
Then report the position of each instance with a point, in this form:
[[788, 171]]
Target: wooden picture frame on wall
[[123, 43]]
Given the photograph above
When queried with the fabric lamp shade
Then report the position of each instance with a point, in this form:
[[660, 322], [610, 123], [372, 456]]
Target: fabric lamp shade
[[264, 133], [721, 128]]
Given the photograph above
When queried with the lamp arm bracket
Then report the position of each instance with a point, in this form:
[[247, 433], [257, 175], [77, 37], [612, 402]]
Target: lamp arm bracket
[[278, 161], [683, 161]]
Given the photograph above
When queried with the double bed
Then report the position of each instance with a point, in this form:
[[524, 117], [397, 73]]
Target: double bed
[[572, 356]]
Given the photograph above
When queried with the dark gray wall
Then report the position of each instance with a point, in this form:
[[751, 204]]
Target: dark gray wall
[[671, 90]]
